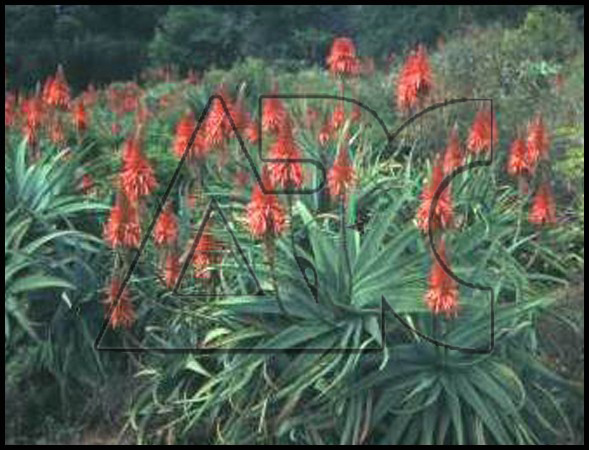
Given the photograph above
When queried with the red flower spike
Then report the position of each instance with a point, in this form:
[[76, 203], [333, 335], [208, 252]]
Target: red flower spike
[[166, 227], [56, 91], [538, 142], [341, 176], [442, 294], [543, 210], [273, 113], [171, 269], [123, 314], [285, 174], [443, 215], [184, 131], [479, 138], [122, 228], [137, 176], [342, 59], [79, 117], [265, 215], [338, 117], [207, 254], [517, 163], [415, 80]]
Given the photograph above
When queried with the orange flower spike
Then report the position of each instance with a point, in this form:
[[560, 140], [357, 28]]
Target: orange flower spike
[[517, 163], [264, 213], [123, 314], [483, 132], [342, 59], [442, 294], [80, 117], [338, 117], [166, 227], [137, 176], [122, 228], [543, 210], [453, 155], [538, 141], [273, 113], [285, 174], [57, 91], [443, 215], [341, 176], [415, 80], [171, 270], [207, 254]]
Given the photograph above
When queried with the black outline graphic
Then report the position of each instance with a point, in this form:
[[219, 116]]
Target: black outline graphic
[[213, 203]]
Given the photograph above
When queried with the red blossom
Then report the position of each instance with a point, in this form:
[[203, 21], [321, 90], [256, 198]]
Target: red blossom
[[265, 214], [171, 269], [517, 163], [273, 113], [285, 174], [123, 313], [137, 176], [442, 294], [207, 254], [342, 59], [341, 176], [122, 228], [338, 117], [166, 227], [537, 142], [415, 80], [543, 210], [184, 131], [483, 129], [443, 214], [79, 116], [57, 92]]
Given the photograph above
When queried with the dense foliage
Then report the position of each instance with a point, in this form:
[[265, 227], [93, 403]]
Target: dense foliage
[[340, 352]]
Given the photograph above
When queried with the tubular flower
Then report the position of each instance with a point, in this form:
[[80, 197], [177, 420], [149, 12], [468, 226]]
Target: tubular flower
[[123, 312], [79, 117], [207, 254], [122, 228], [273, 113], [251, 133], [543, 210], [34, 114], [57, 92], [137, 177], [538, 141], [443, 214], [341, 176], [171, 269], [285, 174], [166, 227], [415, 80], [442, 294], [238, 116], [517, 163], [215, 124], [453, 153], [483, 132], [338, 117], [265, 215], [342, 59], [184, 131]]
